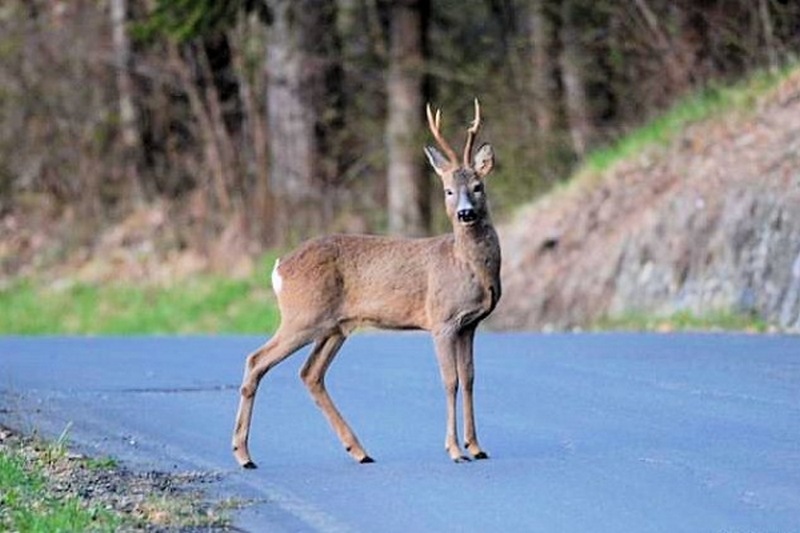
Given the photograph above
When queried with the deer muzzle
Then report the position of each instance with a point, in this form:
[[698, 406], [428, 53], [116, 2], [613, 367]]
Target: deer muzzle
[[467, 215], [465, 210]]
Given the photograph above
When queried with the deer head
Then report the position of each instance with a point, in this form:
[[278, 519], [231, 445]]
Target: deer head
[[465, 200]]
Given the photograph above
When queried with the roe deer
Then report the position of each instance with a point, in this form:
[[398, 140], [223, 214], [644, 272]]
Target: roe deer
[[330, 286]]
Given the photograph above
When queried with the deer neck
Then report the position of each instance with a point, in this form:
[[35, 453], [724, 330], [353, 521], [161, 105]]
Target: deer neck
[[479, 248]]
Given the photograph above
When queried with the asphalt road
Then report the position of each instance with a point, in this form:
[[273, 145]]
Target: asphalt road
[[586, 432]]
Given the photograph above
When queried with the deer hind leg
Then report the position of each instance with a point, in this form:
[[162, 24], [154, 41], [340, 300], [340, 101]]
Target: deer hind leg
[[278, 348], [313, 375], [466, 375], [446, 353]]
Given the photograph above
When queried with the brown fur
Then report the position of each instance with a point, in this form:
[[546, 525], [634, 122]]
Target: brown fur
[[332, 285]]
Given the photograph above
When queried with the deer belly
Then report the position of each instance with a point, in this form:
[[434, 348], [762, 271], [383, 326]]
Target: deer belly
[[392, 312]]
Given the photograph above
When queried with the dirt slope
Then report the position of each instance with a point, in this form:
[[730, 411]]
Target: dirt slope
[[709, 223]]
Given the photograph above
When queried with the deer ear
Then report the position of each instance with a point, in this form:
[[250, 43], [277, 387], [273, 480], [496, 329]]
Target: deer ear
[[483, 161], [439, 162]]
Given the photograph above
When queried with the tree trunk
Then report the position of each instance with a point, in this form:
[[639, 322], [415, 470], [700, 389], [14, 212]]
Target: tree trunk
[[574, 67], [769, 34], [128, 120], [214, 155], [302, 114], [260, 205], [544, 72], [554, 147], [408, 187]]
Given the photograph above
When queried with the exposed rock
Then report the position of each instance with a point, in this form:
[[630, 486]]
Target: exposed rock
[[710, 223]]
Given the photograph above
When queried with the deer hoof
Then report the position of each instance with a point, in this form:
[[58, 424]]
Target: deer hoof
[[480, 455], [249, 465], [366, 460], [462, 459]]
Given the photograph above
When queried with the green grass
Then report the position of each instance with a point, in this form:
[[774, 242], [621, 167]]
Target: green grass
[[46, 488], [696, 107], [101, 463], [26, 505], [684, 321], [206, 304]]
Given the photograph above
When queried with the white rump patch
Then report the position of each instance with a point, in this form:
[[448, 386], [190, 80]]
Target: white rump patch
[[277, 281]]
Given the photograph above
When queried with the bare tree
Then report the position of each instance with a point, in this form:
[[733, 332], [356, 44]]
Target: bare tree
[[769, 34], [407, 186], [553, 145], [301, 109], [573, 61], [128, 117], [543, 30]]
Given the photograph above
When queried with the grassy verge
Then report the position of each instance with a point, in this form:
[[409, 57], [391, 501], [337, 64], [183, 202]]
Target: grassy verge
[[202, 304], [684, 321], [696, 107], [28, 504], [44, 488], [217, 305]]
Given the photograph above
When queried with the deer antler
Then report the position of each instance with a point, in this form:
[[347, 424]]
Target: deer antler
[[472, 132], [433, 124]]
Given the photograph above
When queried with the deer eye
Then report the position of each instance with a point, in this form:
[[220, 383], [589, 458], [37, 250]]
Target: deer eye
[[449, 192], [478, 188]]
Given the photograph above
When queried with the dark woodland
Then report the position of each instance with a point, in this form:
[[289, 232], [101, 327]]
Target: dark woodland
[[276, 120]]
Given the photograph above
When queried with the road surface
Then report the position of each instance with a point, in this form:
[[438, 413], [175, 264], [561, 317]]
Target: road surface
[[586, 432]]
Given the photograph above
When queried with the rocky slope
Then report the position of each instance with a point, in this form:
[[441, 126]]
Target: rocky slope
[[709, 223]]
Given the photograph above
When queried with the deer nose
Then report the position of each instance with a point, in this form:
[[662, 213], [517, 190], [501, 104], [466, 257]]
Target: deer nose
[[467, 215], [465, 211]]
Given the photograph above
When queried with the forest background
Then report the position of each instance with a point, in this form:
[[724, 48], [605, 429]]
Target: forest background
[[197, 134]]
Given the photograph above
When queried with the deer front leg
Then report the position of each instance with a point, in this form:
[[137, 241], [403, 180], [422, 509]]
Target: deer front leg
[[313, 375], [258, 364], [466, 375], [446, 352]]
